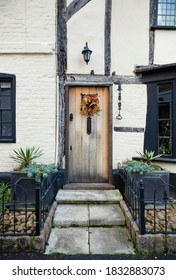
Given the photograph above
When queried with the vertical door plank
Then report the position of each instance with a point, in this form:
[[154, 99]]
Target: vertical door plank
[[89, 157], [72, 133]]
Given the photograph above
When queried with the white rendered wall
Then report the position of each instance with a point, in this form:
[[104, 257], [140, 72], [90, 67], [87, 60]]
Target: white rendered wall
[[87, 26], [126, 144], [165, 41], [130, 35], [27, 50]]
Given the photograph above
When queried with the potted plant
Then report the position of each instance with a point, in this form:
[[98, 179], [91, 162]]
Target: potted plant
[[28, 172], [150, 173]]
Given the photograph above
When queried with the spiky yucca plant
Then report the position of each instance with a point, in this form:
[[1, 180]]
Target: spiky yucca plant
[[149, 157], [25, 156]]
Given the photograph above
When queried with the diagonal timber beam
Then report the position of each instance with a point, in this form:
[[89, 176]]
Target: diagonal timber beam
[[75, 6]]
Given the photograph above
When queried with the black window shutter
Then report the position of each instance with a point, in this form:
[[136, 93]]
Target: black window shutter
[[151, 130]]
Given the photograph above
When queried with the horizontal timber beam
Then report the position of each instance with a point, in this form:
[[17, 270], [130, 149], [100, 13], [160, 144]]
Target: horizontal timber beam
[[101, 79]]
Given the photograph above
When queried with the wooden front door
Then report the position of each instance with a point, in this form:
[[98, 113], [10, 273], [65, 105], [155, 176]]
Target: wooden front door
[[88, 147]]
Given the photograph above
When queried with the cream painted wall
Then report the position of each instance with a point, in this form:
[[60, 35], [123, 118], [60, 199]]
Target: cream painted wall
[[27, 21], [130, 35], [165, 41], [125, 144], [129, 38], [87, 26], [27, 50]]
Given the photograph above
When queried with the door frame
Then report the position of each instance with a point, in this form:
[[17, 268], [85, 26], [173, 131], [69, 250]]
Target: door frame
[[67, 87]]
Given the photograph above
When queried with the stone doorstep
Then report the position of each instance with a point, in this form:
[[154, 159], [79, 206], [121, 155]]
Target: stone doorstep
[[88, 186], [88, 196], [88, 215], [90, 241]]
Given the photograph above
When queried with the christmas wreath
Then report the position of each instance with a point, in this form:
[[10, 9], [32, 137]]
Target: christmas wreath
[[89, 104]]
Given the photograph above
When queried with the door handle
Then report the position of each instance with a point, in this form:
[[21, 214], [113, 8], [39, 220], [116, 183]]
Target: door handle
[[70, 147]]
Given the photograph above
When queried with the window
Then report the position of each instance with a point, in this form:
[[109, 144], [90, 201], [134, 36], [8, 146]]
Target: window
[[7, 108], [160, 128], [160, 132], [165, 14], [165, 93]]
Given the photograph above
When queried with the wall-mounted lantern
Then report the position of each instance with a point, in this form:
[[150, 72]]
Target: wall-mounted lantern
[[86, 53]]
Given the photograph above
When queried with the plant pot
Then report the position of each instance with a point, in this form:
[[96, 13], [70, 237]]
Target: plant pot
[[23, 188], [154, 184]]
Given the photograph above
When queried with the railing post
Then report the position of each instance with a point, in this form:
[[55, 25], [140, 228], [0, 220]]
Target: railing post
[[142, 206], [38, 207]]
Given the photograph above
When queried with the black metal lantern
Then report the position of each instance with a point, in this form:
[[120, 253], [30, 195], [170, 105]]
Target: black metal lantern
[[86, 53]]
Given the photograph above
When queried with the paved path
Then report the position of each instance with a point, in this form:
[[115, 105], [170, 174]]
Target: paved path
[[89, 222]]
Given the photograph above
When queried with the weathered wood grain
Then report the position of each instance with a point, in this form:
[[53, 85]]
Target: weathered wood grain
[[88, 159], [75, 6], [108, 12], [76, 79], [62, 70], [151, 33]]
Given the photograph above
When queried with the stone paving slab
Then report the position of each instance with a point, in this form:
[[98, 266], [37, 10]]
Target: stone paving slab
[[106, 215], [71, 215], [69, 241], [88, 196], [95, 240], [88, 215], [114, 240]]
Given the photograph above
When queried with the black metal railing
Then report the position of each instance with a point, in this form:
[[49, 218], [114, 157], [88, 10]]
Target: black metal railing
[[20, 216], [154, 215]]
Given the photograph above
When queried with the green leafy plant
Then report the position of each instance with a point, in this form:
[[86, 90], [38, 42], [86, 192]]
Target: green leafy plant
[[40, 170], [137, 167], [4, 195], [149, 156], [24, 157]]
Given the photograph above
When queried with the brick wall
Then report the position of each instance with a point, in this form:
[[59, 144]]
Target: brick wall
[[27, 50]]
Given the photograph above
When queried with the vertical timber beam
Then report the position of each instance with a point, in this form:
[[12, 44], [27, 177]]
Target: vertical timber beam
[[62, 71], [152, 33], [107, 48]]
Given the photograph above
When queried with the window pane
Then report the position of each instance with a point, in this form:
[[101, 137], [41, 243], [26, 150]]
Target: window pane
[[5, 101], [165, 87], [164, 110], [166, 13], [164, 118], [164, 128], [6, 116], [5, 85], [7, 108], [165, 146], [6, 129]]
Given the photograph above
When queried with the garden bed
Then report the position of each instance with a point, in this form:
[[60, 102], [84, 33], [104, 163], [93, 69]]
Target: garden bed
[[27, 243], [158, 243], [160, 219], [19, 222]]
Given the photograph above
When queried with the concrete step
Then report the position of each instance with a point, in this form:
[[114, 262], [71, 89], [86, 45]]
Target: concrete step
[[88, 196], [90, 240], [89, 222], [69, 215], [88, 186]]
